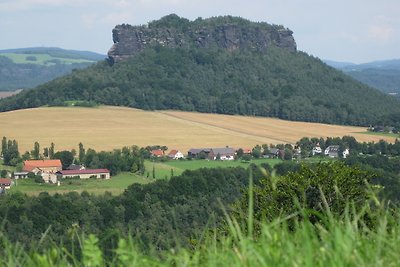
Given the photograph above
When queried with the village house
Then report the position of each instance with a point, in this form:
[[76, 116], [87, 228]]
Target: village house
[[85, 174], [332, 151], [157, 153], [247, 151], [272, 153], [175, 154], [45, 168], [316, 150], [5, 183], [226, 153], [42, 166]]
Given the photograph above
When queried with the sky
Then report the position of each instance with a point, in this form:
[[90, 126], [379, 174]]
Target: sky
[[357, 31]]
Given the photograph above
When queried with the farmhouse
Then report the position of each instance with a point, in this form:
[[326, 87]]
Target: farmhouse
[[42, 166], [157, 153], [226, 153], [272, 153], [246, 150], [316, 150], [5, 183], [85, 174], [332, 151], [175, 154]]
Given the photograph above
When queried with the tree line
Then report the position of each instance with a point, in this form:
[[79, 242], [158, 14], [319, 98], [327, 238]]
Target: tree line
[[127, 159]]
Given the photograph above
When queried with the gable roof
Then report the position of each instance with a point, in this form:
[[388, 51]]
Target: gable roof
[[173, 152], [247, 150], [85, 171], [29, 165], [157, 152], [223, 151], [5, 181]]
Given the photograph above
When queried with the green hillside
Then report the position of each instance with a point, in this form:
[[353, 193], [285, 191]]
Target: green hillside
[[277, 83], [382, 75], [29, 67]]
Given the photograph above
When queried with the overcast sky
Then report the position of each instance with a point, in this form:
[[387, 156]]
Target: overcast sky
[[343, 30]]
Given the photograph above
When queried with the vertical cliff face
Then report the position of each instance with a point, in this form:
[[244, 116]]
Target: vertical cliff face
[[229, 33]]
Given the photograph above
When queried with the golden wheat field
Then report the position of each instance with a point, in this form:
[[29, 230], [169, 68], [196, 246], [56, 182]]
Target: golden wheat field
[[106, 128]]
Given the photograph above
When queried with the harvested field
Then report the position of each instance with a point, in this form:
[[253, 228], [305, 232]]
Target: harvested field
[[106, 128]]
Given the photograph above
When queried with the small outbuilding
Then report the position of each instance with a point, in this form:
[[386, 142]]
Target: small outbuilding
[[5, 183], [85, 174], [20, 175]]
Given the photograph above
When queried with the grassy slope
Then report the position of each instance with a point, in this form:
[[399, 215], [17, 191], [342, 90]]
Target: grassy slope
[[116, 185], [163, 169], [107, 128]]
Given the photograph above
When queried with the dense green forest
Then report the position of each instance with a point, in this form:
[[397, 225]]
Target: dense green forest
[[277, 82], [281, 84], [163, 214]]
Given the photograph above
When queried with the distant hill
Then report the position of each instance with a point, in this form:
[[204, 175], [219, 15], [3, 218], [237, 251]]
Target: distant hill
[[383, 75], [28, 67], [223, 65]]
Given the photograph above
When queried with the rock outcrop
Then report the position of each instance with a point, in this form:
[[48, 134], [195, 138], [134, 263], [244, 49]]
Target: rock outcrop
[[231, 33]]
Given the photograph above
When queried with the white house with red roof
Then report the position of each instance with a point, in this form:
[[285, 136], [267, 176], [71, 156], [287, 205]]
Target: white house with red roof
[[85, 173], [42, 166], [175, 154]]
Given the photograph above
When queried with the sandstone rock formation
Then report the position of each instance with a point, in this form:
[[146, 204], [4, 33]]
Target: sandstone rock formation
[[227, 32]]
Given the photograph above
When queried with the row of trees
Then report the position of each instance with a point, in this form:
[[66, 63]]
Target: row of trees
[[129, 159]]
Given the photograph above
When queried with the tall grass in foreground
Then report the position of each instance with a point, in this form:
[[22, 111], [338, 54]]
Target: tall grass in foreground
[[337, 242], [342, 243]]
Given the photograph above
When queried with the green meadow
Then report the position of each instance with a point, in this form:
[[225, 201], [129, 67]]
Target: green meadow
[[116, 185], [165, 169]]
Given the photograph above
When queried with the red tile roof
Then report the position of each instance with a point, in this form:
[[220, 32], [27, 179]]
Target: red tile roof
[[247, 150], [29, 165], [173, 152], [5, 181], [157, 153], [86, 171]]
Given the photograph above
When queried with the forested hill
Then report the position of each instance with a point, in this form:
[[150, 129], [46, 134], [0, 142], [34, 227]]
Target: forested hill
[[29, 67], [277, 82]]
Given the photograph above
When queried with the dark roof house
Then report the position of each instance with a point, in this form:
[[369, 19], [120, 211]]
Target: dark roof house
[[225, 153]]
